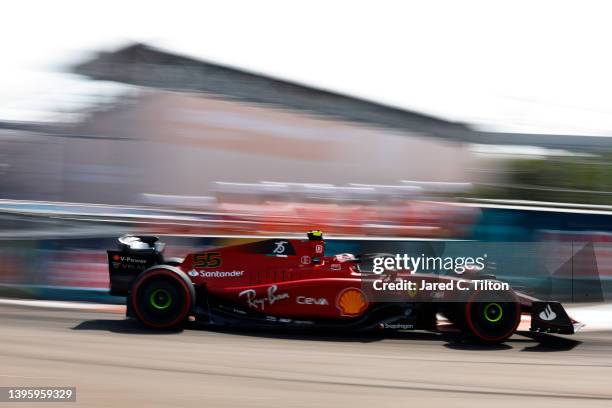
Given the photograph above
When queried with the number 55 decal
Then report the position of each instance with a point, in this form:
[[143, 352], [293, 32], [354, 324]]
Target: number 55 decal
[[207, 260]]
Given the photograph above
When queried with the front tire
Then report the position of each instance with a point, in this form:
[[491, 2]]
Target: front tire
[[492, 322], [162, 298], [489, 318]]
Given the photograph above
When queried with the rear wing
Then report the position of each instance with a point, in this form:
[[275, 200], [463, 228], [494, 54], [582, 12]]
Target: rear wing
[[135, 255]]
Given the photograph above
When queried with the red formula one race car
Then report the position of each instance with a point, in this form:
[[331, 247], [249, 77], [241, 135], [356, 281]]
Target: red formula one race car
[[291, 283]]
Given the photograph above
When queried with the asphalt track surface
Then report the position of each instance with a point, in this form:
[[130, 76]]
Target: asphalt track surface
[[114, 363]]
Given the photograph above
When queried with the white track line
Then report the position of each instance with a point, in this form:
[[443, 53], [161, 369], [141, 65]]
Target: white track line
[[57, 304]]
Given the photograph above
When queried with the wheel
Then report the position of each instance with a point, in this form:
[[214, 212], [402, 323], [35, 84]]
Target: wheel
[[162, 297], [492, 318], [486, 318]]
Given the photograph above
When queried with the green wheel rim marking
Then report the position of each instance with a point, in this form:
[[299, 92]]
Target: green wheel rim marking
[[498, 308], [166, 299]]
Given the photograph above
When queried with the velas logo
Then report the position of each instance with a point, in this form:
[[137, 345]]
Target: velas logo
[[547, 314], [351, 302]]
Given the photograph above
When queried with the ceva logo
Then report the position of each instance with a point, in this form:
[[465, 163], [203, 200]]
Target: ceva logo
[[547, 314]]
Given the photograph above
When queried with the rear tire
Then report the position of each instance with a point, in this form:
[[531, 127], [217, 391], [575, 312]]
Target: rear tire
[[162, 297]]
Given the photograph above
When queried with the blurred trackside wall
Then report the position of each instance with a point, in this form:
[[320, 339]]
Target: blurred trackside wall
[[557, 268]]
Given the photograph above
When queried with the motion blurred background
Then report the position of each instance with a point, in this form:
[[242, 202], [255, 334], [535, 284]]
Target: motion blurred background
[[363, 121]]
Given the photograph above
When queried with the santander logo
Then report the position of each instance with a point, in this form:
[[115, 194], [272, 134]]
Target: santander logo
[[547, 314]]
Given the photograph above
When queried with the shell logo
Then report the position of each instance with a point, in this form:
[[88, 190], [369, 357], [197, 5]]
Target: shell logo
[[351, 302]]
